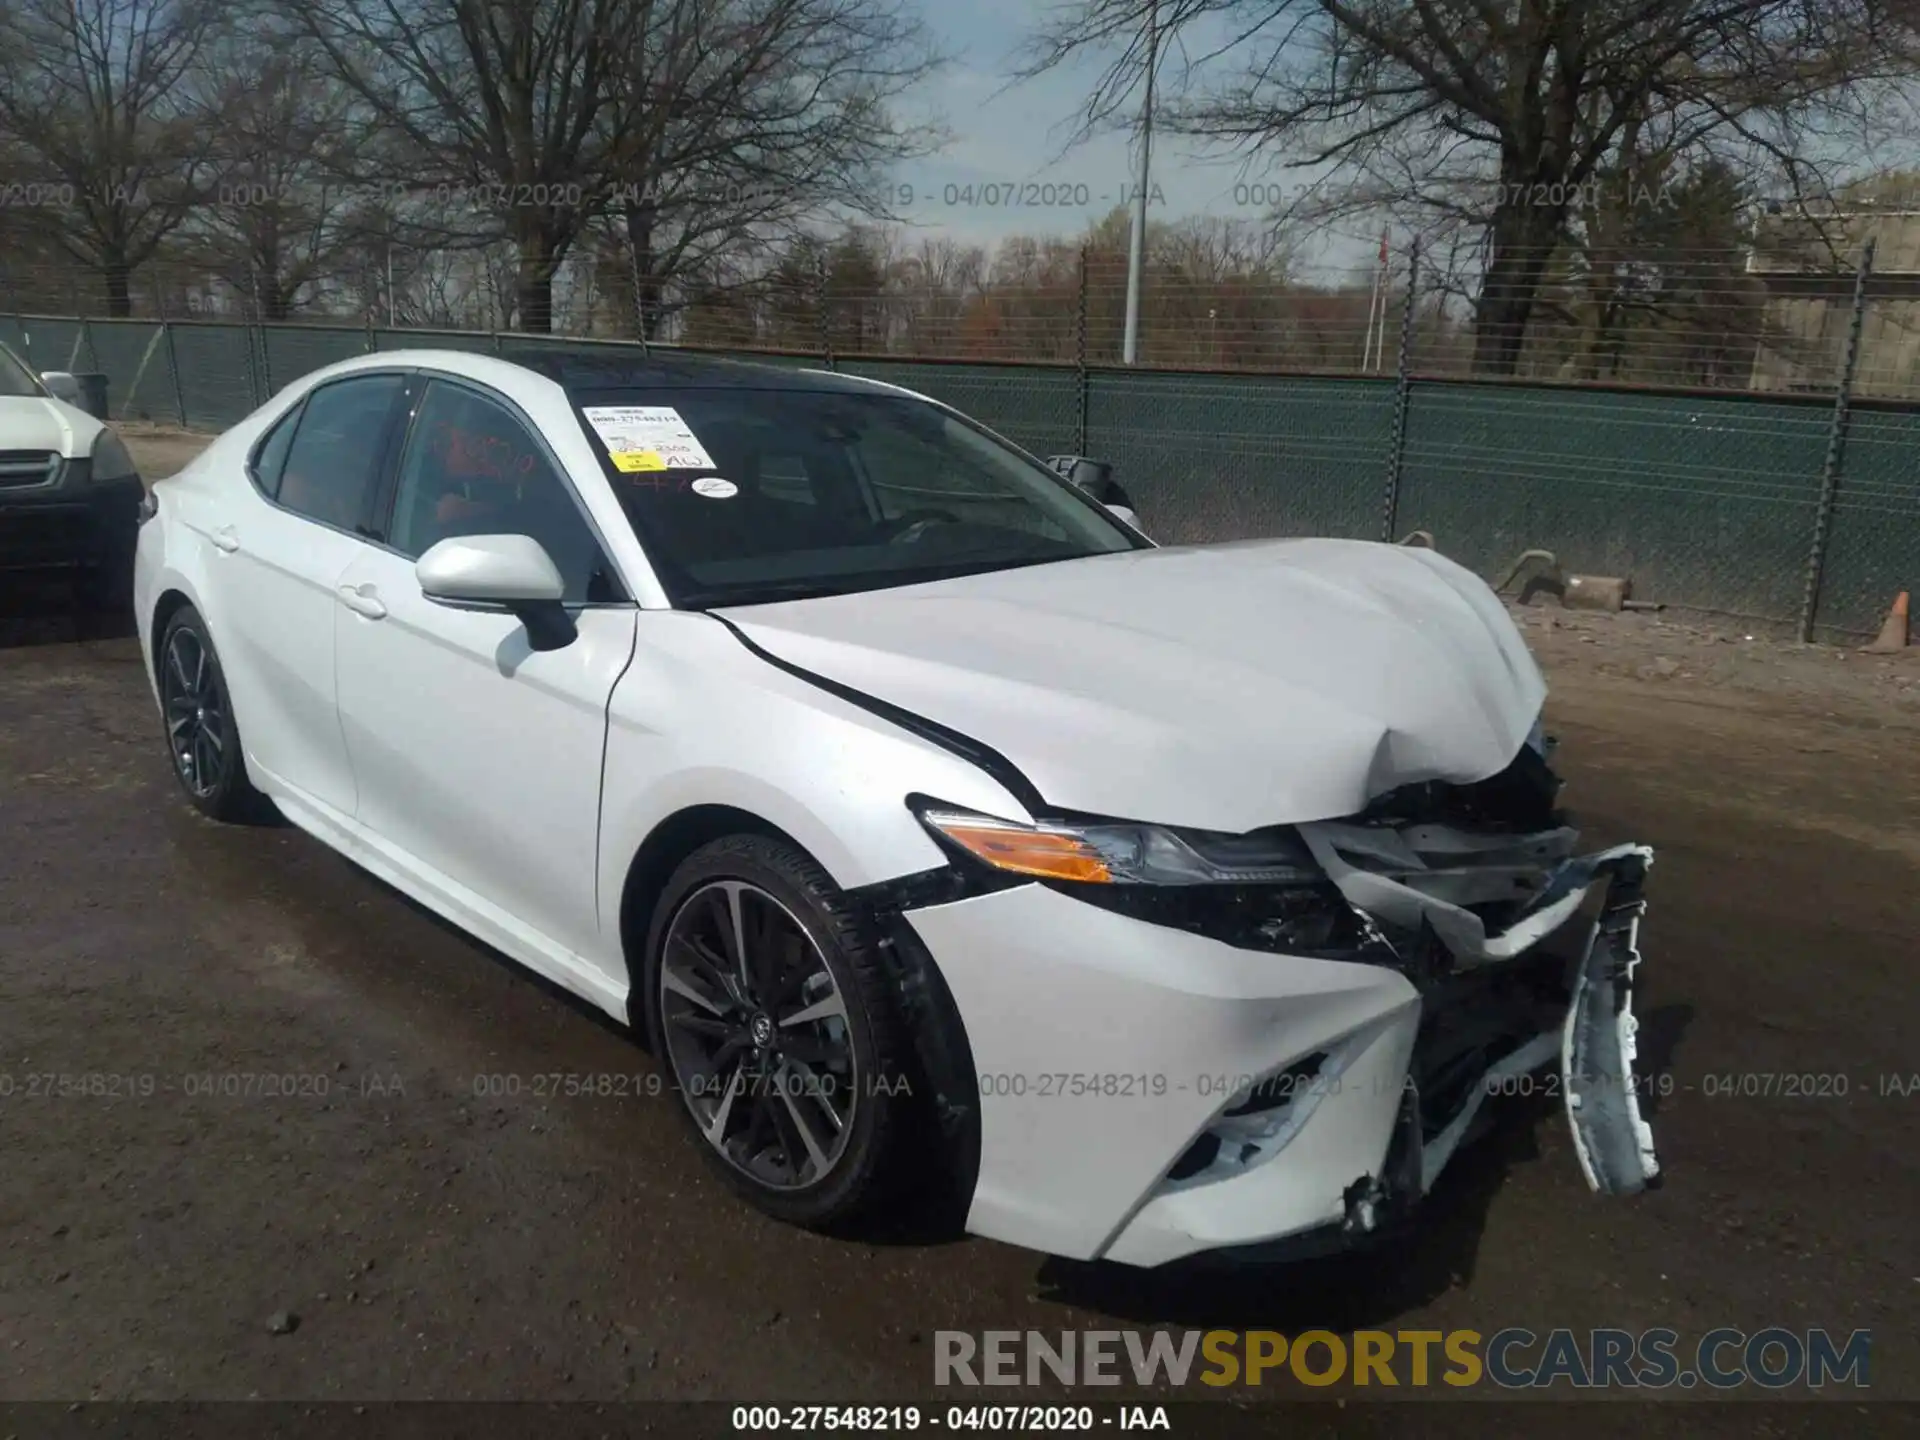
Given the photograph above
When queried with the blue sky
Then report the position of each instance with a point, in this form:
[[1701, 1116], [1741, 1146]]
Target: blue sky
[[1019, 137]]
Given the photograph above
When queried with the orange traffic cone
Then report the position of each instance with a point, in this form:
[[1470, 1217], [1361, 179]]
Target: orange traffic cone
[[1893, 634]]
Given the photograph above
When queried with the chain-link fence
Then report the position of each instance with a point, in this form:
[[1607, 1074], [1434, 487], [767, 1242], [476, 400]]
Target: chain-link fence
[[1770, 315], [1798, 511]]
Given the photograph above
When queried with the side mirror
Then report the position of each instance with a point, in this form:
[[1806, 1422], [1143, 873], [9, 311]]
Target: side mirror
[[62, 385], [1093, 476], [500, 572]]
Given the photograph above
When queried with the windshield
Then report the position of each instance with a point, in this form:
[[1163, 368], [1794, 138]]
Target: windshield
[[15, 378], [747, 496]]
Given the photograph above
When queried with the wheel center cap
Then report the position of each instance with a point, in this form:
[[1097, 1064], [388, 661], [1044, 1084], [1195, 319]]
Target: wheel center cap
[[761, 1028]]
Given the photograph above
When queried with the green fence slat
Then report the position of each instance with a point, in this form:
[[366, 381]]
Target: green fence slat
[[1706, 502], [1874, 551], [1702, 502], [1223, 457]]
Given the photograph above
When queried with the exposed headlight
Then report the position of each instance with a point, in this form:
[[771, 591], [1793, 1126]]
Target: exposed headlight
[[1116, 853], [111, 460]]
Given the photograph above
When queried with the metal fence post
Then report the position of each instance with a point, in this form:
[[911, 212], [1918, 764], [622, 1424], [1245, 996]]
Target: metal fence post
[[266, 364], [1080, 359], [173, 368], [20, 324], [825, 315], [1836, 449], [372, 344], [253, 367], [1402, 396]]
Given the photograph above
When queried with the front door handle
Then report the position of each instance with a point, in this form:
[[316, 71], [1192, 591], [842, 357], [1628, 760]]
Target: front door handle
[[363, 600], [226, 538]]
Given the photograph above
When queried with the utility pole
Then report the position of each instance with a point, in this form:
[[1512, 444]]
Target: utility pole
[[1137, 241], [1377, 306]]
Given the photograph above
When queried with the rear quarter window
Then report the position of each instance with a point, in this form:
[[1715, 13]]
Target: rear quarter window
[[270, 453]]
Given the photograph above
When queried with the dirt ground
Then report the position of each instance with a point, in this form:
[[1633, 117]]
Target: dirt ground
[[417, 1236], [159, 450]]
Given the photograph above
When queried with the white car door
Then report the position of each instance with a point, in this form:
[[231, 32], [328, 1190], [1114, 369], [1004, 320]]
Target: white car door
[[277, 557], [478, 759]]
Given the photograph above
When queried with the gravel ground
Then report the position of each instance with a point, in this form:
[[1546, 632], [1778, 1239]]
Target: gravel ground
[[393, 1230]]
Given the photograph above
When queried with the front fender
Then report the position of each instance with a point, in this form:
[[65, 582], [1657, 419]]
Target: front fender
[[698, 719], [164, 563]]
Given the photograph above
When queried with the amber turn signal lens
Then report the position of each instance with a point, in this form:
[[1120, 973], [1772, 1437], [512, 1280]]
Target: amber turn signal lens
[[1045, 853]]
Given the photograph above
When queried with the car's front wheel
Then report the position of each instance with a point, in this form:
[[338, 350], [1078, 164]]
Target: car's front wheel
[[203, 738], [773, 1014]]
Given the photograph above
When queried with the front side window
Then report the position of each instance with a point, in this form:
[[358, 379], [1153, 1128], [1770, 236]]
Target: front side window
[[787, 494], [332, 462], [472, 468]]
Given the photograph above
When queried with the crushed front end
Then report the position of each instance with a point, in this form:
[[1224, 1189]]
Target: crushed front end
[[1280, 1056]]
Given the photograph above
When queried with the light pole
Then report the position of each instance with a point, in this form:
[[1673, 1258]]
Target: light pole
[[1137, 241]]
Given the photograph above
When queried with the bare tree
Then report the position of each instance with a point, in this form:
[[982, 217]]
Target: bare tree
[[278, 216], [1498, 113], [99, 98], [529, 119], [744, 122]]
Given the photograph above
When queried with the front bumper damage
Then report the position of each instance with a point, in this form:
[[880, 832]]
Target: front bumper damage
[[1148, 1093], [1422, 880]]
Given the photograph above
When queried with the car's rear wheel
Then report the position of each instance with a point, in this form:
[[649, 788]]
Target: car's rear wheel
[[203, 738], [772, 1011]]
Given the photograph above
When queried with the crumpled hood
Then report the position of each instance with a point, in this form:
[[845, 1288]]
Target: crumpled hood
[[1223, 687], [33, 422]]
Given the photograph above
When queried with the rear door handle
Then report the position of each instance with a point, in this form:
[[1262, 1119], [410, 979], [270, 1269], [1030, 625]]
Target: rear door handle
[[363, 600], [226, 538]]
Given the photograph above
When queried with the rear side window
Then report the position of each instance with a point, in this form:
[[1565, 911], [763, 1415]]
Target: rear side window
[[330, 467], [271, 457]]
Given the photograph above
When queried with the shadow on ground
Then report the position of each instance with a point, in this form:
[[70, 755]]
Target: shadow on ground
[[46, 610]]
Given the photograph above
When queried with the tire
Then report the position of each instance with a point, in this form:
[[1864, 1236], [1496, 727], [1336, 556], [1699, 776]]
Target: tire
[[203, 738], [870, 1156]]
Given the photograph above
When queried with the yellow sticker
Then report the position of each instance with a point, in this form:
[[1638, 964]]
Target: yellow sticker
[[630, 461]]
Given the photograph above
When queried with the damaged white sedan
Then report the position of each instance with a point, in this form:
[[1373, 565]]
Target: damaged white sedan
[[925, 815]]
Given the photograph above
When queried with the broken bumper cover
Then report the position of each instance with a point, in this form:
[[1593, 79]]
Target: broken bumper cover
[[1146, 1093]]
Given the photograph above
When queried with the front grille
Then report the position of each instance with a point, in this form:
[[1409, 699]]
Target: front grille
[[20, 469]]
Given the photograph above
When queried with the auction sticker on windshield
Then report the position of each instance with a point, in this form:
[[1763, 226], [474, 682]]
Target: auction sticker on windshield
[[647, 437]]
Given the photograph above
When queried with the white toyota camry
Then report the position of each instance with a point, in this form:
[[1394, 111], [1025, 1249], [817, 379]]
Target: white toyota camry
[[927, 816]]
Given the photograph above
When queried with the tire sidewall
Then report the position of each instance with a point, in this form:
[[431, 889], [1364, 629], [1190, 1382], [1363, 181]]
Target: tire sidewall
[[759, 862], [225, 797]]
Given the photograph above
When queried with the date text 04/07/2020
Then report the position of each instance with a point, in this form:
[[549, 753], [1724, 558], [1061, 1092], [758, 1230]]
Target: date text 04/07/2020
[[1015, 1419]]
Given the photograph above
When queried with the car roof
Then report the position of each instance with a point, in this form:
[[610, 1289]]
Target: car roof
[[655, 368]]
